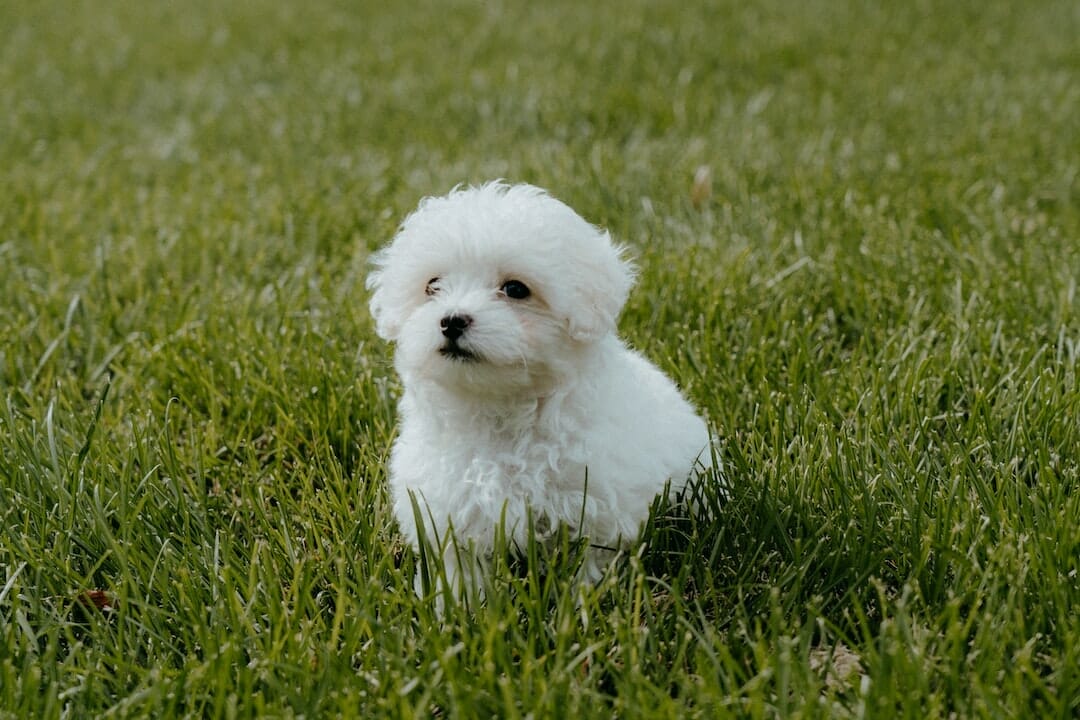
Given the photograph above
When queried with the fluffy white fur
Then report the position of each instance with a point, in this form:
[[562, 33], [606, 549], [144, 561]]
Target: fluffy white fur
[[536, 405]]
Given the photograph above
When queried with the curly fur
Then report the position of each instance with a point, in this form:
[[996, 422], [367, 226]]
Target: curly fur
[[544, 410]]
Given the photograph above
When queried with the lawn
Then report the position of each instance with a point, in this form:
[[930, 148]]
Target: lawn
[[870, 289]]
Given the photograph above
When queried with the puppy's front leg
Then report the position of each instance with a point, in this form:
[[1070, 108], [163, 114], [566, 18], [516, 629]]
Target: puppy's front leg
[[450, 574]]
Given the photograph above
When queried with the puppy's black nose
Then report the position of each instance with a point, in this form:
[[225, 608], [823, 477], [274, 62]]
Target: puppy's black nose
[[454, 325]]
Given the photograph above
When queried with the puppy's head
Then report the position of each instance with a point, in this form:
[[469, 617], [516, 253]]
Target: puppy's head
[[495, 287]]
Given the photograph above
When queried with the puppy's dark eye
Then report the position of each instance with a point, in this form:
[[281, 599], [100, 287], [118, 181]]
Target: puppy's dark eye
[[432, 286], [515, 289]]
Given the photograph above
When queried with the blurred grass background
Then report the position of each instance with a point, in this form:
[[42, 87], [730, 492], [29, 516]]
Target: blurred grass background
[[873, 297]]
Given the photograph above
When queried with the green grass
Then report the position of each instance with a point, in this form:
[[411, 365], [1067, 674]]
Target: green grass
[[876, 306]]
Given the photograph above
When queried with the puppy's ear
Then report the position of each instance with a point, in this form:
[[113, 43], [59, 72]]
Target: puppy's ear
[[601, 284], [400, 269], [386, 308]]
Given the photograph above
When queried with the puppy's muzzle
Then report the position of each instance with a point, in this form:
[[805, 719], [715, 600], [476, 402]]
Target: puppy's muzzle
[[453, 326]]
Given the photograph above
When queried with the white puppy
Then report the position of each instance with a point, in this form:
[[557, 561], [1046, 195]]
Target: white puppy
[[520, 401]]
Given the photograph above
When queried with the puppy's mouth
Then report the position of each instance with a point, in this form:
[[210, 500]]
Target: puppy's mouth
[[454, 351]]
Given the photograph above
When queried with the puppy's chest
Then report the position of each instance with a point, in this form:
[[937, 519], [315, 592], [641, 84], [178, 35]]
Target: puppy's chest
[[508, 459]]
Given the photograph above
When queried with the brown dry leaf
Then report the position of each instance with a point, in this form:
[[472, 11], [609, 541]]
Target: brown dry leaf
[[843, 665], [98, 599], [701, 189]]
